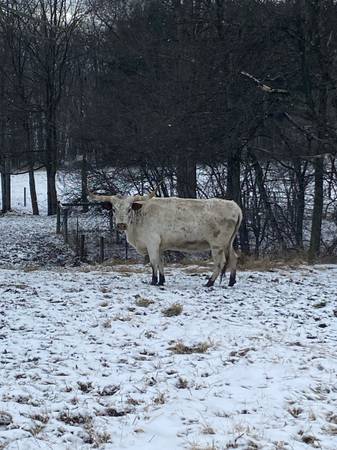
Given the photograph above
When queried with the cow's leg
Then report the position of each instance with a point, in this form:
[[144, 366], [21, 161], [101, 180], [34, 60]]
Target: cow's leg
[[219, 260], [161, 270], [154, 255], [233, 258], [154, 280]]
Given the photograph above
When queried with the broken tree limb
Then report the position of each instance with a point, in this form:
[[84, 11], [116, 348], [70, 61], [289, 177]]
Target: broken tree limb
[[265, 87]]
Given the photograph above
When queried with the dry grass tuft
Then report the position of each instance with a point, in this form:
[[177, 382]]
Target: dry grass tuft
[[31, 268], [207, 429], [295, 411], [128, 269], [34, 431], [113, 412], [104, 304], [160, 399], [321, 304], [203, 447], [111, 389], [5, 418], [94, 437], [107, 323], [143, 302], [181, 349], [122, 318], [174, 310], [43, 418], [182, 383], [85, 386], [133, 401], [309, 439], [331, 429], [73, 418]]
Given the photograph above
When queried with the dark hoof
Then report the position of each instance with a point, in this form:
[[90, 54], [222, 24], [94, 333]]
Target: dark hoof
[[231, 283], [232, 278], [209, 283], [161, 280]]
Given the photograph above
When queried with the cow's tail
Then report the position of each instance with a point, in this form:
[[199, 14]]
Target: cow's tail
[[229, 249]]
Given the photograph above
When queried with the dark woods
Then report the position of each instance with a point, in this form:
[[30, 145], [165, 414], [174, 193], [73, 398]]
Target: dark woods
[[234, 99]]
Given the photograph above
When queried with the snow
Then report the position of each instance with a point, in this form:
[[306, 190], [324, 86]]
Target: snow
[[89, 359], [81, 359]]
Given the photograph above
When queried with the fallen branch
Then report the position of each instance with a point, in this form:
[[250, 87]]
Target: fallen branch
[[265, 87]]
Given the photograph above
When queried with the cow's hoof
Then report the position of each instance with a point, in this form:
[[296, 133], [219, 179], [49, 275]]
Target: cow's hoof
[[209, 283], [161, 280], [231, 283]]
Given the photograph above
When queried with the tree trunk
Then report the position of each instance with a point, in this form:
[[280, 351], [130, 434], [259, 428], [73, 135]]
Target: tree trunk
[[6, 187], [51, 160], [84, 182], [186, 177], [316, 224], [33, 196], [51, 190], [233, 178], [299, 202]]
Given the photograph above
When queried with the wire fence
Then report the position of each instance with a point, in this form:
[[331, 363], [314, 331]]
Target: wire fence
[[90, 231]]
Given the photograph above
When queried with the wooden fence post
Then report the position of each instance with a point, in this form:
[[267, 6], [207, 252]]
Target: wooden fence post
[[58, 218], [65, 225], [101, 249], [24, 197], [76, 239], [82, 245], [111, 221]]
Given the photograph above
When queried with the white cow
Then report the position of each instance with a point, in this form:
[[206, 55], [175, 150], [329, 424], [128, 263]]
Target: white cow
[[153, 225]]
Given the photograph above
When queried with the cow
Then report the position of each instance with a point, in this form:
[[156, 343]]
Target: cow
[[155, 224]]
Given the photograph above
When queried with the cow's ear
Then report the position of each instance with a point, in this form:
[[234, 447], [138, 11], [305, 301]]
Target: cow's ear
[[136, 206]]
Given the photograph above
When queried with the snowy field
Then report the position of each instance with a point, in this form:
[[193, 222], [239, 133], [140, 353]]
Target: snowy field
[[94, 357]]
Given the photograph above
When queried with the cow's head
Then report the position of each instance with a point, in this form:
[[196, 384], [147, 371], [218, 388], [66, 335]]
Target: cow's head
[[124, 208]]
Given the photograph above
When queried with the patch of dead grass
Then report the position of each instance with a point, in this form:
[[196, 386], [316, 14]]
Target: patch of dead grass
[[181, 349], [265, 264], [160, 399], [5, 418], [43, 418], [73, 418], [195, 446], [182, 383], [207, 429], [309, 439], [174, 310], [295, 411], [37, 429], [143, 302]]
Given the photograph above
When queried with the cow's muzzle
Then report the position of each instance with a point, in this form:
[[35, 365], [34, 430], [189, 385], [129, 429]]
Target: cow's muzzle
[[121, 226]]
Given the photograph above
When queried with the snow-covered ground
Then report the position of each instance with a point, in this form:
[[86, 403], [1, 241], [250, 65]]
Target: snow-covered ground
[[90, 357]]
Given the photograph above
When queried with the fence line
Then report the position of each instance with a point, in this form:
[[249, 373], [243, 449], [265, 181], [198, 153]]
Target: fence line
[[78, 239]]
